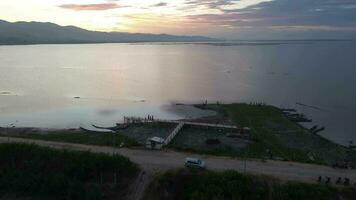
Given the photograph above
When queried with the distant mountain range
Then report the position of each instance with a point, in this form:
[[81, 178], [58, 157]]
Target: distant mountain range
[[49, 33]]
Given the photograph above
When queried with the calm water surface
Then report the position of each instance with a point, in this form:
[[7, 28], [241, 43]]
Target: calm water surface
[[38, 83]]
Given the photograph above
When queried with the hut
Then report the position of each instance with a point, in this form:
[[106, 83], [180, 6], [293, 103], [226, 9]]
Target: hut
[[154, 143]]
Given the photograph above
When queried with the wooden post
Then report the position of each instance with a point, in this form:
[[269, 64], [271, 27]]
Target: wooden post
[[115, 179], [101, 178]]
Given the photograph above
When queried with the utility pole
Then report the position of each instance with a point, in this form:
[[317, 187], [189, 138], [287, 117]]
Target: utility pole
[[7, 131], [245, 166], [113, 148]]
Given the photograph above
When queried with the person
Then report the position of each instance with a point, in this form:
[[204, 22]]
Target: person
[[327, 180], [346, 181], [338, 180], [319, 179]]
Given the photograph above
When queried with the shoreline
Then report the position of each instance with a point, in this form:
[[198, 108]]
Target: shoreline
[[273, 136], [220, 117]]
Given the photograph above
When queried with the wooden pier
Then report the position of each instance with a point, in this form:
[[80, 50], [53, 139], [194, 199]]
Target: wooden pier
[[200, 124], [174, 133], [180, 125]]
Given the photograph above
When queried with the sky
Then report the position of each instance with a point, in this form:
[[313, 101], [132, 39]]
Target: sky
[[229, 19]]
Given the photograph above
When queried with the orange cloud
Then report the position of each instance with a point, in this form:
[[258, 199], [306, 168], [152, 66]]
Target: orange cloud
[[90, 7]]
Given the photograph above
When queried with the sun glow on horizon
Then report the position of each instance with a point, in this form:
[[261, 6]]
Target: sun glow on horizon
[[154, 16], [216, 18]]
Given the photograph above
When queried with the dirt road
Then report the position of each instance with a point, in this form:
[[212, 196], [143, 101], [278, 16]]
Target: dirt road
[[154, 161]]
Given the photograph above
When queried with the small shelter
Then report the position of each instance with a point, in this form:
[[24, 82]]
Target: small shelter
[[246, 130], [154, 143]]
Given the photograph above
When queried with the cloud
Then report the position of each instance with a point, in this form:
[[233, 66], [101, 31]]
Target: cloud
[[340, 14], [236, 16], [274, 18], [90, 7], [222, 4], [210, 3], [161, 4], [313, 28]]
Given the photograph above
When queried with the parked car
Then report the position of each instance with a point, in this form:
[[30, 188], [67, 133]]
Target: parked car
[[194, 163]]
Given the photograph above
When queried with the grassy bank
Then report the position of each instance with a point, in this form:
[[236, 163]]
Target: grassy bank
[[101, 139], [274, 137], [186, 185], [29, 171], [275, 134], [265, 121]]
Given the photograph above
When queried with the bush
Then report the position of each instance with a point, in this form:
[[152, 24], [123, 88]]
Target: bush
[[196, 185], [33, 171], [303, 191]]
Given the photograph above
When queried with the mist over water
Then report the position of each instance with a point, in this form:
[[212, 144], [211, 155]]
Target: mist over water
[[65, 86]]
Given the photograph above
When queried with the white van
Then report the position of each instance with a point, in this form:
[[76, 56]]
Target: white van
[[194, 163]]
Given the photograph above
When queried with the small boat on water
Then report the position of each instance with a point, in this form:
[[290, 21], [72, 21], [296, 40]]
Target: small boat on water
[[353, 147], [121, 126], [288, 110], [296, 117], [96, 130], [102, 127], [316, 129], [112, 128]]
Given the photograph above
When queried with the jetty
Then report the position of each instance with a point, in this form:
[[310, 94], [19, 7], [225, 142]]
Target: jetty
[[201, 124], [179, 125], [174, 133]]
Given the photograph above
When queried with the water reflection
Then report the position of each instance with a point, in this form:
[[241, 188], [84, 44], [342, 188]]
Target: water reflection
[[39, 83]]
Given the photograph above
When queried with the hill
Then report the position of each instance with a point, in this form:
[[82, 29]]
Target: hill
[[49, 33]]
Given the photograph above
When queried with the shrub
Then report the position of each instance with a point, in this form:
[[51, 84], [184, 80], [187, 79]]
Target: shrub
[[29, 170]]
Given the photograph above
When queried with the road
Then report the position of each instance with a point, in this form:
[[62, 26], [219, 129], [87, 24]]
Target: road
[[160, 161]]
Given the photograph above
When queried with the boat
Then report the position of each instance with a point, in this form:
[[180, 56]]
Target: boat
[[96, 130]]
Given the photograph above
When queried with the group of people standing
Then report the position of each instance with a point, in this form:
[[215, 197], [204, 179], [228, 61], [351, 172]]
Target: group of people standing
[[327, 180]]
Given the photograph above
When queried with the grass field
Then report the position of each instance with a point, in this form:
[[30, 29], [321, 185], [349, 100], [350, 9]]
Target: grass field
[[257, 118], [274, 137], [282, 138], [33, 172], [189, 185], [101, 139]]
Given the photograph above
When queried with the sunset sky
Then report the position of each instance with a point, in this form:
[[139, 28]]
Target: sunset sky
[[262, 19]]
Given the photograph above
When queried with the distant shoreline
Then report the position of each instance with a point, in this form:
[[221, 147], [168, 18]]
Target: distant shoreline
[[212, 42]]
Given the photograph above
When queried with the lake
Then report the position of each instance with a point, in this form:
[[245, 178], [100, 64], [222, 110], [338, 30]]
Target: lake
[[67, 86]]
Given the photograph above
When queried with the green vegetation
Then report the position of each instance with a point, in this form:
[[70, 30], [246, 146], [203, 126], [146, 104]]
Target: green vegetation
[[187, 184], [265, 143], [258, 118], [276, 135], [273, 137], [33, 172], [102, 139], [141, 131]]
